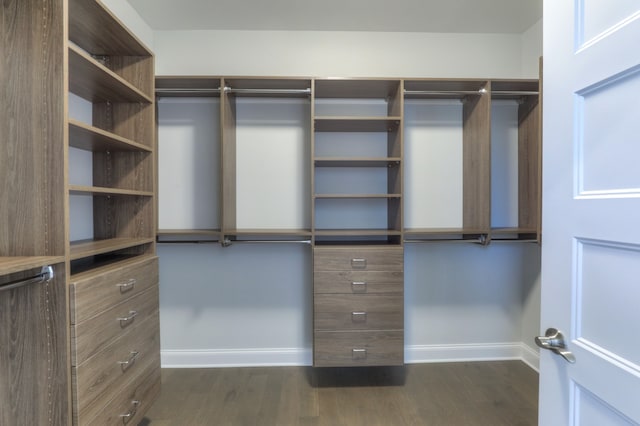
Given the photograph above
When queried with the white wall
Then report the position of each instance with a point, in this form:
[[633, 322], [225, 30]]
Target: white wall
[[345, 54], [247, 305]]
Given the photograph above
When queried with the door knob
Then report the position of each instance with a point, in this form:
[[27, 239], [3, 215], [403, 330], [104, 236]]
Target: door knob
[[554, 341]]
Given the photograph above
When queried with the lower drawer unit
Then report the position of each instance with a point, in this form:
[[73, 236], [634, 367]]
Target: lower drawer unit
[[357, 282], [358, 312], [105, 375], [358, 348], [129, 406]]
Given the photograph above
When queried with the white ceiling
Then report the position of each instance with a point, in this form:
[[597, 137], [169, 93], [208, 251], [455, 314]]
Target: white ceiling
[[453, 16]]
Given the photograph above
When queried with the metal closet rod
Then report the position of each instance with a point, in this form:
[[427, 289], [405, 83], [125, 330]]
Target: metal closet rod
[[44, 276], [188, 90], [227, 242], [306, 91], [445, 92]]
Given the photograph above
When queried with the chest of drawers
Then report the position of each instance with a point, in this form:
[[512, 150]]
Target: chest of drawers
[[358, 306], [115, 342]]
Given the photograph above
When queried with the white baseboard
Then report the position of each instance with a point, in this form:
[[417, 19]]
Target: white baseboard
[[235, 358], [531, 357], [302, 356]]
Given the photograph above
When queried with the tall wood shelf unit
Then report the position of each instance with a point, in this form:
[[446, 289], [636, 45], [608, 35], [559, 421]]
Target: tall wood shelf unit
[[357, 168], [55, 48]]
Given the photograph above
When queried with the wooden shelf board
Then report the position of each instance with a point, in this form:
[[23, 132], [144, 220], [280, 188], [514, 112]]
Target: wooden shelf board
[[97, 30], [356, 232], [356, 162], [178, 232], [90, 138], [443, 231], [437, 85], [13, 264], [94, 190], [515, 230], [268, 232], [356, 196], [356, 124], [86, 248], [93, 81], [354, 88]]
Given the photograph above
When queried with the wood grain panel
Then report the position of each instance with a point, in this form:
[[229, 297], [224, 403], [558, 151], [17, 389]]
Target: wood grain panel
[[137, 70], [348, 282], [477, 161], [358, 258], [93, 291], [228, 162], [102, 378], [358, 312], [33, 352], [91, 336], [32, 128], [123, 217], [346, 348], [143, 388], [529, 145]]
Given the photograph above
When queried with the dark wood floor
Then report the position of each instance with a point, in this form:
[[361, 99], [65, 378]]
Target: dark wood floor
[[451, 394]]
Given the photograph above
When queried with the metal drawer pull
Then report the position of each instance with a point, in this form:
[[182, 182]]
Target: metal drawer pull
[[127, 286], [359, 263], [131, 414], [125, 321], [358, 353], [128, 363], [358, 316], [359, 287]]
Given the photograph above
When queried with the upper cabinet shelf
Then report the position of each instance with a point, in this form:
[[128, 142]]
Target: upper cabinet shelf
[[12, 264], [98, 31], [95, 82]]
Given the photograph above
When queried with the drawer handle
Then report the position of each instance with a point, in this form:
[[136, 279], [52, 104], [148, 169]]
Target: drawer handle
[[358, 316], [132, 412], [127, 286], [125, 321], [359, 287], [359, 263], [358, 354], [125, 365]]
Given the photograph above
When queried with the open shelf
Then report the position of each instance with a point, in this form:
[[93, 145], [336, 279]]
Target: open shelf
[[93, 81], [356, 196], [191, 86], [95, 190], [13, 264], [96, 30], [354, 88], [357, 124], [90, 138], [356, 162], [443, 89], [86, 248]]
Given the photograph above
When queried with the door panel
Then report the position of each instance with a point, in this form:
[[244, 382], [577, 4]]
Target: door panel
[[591, 205]]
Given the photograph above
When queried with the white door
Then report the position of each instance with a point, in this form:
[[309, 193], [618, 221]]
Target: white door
[[591, 212]]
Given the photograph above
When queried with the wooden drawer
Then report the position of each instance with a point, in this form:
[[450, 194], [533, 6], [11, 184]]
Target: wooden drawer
[[99, 289], [103, 376], [358, 258], [91, 336], [358, 348], [358, 312], [134, 400], [349, 282]]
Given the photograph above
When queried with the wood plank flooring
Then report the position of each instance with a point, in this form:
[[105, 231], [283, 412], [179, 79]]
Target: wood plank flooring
[[447, 394]]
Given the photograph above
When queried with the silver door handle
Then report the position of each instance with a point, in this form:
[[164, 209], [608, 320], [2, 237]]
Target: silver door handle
[[554, 341]]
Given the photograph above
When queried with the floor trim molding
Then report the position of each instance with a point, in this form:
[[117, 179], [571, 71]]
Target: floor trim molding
[[414, 354]]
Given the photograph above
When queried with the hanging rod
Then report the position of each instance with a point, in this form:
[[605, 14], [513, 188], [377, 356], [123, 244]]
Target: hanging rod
[[45, 275], [482, 239], [174, 90], [515, 92], [445, 92], [187, 241], [227, 242], [307, 91]]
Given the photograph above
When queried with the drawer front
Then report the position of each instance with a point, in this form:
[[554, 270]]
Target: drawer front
[[91, 336], [105, 375], [358, 348], [93, 292], [130, 405], [358, 258], [356, 282], [358, 312]]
